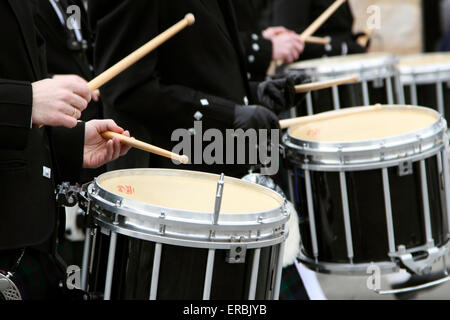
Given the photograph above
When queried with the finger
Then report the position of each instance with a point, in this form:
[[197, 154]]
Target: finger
[[124, 149], [289, 56], [67, 121], [298, 45], [126, 133], [96, 95], [106, 125], [109, 150], [77, 102], [116, 148], [80, 87], [111, 125], [70, 111]]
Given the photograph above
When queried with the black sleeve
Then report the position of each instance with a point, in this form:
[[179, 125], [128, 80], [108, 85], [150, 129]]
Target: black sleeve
[[16, 103], [162, 101], [68, 147], [259, 54]]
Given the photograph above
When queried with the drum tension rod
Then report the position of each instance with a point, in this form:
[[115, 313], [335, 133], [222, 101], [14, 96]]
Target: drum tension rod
[[218, 203]]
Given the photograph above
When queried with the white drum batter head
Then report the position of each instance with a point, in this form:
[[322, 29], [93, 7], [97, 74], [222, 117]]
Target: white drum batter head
[[424, 68], [354, 138], [193, 192], [178, 207], [375, 123], [367, 66]]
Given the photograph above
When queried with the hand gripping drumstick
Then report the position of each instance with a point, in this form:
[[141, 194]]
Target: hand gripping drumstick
[[313, 28], [140, 53], [284, 124], [145, 146], [137, 55], [317, 40], [307, 87]]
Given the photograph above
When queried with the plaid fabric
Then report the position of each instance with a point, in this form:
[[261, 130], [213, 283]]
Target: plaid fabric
[[292, 287]]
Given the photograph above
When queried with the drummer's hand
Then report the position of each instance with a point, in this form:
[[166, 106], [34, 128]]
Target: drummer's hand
[[254, 117], [59, 101], [98, 150], [272, 32], [95, 95], [279, 94], [287, 47]]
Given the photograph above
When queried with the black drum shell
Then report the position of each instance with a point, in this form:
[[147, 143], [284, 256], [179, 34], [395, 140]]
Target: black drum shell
[[182, 271], [427, 96], [368, 214]]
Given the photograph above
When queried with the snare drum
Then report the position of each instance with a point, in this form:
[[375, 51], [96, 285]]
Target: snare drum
[[426, 80], [372, 188], [378, 81], [171, 234]]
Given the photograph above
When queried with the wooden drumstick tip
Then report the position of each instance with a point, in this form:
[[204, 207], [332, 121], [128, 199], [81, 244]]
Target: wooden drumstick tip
[[184, 159], [190, 19]]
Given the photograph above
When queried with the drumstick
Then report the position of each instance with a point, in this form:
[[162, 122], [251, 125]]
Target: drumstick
[[145, 146], [322, 18], [312, 28], [140, 53], [302, 88], [137, 55], [317, 40], [284, 124]]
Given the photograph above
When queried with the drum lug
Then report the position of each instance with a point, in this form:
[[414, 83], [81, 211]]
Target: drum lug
[[405, 168], [421, 266], [236, 254]]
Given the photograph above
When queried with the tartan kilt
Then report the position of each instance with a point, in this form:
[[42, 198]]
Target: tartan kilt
[[38, 276], [292, 287]]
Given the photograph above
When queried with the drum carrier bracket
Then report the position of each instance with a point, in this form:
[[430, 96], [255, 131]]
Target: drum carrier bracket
[[69, 196]]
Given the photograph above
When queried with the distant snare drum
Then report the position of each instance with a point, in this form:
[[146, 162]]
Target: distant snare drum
[[426, 80], [371, 188], [378, 81]]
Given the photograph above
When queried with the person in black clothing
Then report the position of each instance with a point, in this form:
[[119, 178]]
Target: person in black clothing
[[201, 74], [69, 51], [68, 48], [33, 159], [298, 15], [264, 46]]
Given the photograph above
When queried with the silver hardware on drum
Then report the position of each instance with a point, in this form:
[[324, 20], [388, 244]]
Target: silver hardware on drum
[[241, 238], [314, 165]]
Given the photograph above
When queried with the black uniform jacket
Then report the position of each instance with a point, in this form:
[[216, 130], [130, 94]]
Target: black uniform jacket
[[258, 50], [31, 160], [65, 54], [199, 74], [298, 15]]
